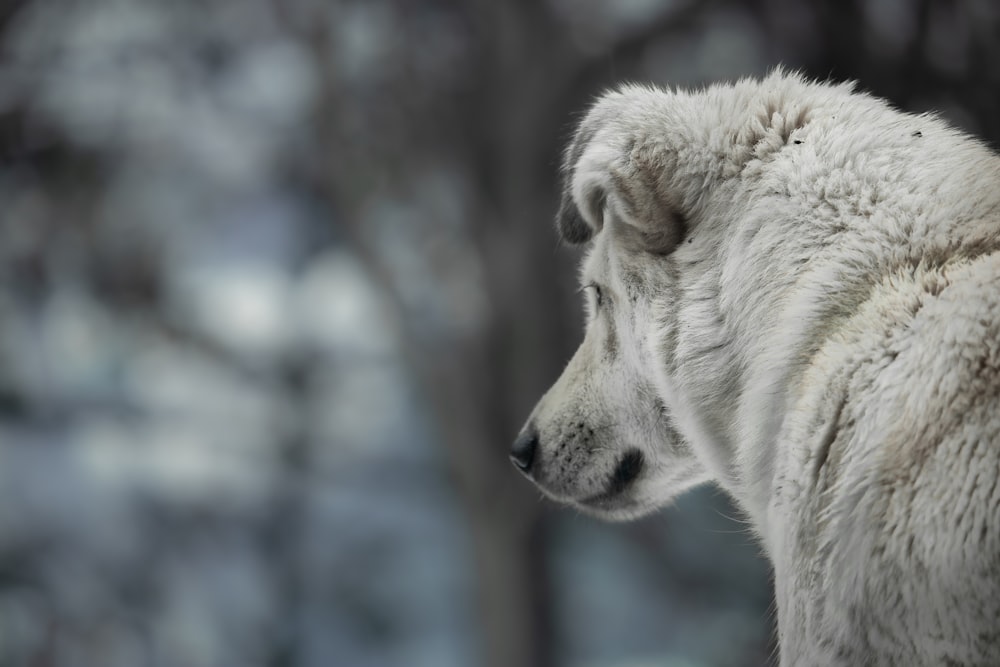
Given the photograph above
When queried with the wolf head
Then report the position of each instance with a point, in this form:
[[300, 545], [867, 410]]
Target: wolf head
[[702, 212], [601, 438]]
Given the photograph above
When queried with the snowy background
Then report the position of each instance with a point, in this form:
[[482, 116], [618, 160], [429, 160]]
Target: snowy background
[[278, 286]]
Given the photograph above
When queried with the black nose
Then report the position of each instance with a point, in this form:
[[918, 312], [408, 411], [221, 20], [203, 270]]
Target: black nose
[[522, 454]]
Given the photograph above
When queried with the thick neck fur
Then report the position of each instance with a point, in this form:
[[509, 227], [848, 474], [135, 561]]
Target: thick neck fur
[[760, 283]]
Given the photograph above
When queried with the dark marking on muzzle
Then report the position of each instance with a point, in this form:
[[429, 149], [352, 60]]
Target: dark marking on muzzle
[[629, 467]]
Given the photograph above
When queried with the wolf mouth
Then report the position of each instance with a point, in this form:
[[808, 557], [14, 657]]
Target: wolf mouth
[[629, 468]]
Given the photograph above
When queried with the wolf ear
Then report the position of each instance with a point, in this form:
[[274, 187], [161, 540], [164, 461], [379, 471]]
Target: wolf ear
[[659, 238], [609, 178], [572, 226]]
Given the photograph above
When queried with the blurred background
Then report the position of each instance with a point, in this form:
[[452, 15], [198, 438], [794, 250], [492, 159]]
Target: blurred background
[[278, 286]]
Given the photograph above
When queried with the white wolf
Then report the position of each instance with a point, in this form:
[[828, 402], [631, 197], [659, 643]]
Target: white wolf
[[794, 291]]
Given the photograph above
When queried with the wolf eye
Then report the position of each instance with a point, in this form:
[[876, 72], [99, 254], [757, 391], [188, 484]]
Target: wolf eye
[[595, 290]]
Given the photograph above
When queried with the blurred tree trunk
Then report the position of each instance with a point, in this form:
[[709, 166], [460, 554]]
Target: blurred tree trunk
[[480, 385], [511, 137]]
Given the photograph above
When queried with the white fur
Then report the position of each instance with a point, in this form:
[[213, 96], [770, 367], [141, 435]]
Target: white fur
[[822, 340]]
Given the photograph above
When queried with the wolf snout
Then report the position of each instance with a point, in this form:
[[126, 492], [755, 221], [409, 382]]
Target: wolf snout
[[522, 454]]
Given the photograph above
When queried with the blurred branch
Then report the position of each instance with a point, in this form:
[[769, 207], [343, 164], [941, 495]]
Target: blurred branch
[[8, 12], [631, 44]]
